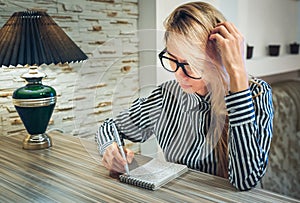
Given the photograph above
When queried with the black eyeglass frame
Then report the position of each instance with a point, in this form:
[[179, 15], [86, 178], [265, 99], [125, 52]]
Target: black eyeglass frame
[[178, 64]]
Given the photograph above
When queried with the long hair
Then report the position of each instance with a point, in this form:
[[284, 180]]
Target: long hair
[[188, 28]]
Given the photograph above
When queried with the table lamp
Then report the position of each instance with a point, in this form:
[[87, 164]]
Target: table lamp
[[32, 38]]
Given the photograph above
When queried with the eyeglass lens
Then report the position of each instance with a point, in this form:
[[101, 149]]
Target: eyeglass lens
[[172, 65]]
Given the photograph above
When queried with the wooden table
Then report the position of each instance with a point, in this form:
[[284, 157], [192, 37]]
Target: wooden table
[[71, 171]]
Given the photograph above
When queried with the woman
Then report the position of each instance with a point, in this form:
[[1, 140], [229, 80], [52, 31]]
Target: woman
[[212, 118]]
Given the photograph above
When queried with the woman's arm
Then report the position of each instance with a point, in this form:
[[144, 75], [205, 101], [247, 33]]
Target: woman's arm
[[251, 121], [135, 124]]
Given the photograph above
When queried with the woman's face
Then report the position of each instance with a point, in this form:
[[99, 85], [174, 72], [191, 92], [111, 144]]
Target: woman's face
[[188, 85]]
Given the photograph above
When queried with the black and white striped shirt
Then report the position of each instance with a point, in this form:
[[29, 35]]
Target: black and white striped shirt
[[180, 122]]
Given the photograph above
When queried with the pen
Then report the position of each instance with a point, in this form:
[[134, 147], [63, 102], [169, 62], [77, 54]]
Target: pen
[[117, 137]]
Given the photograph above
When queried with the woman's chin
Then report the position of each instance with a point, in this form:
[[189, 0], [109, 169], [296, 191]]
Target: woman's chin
[[186, 89]]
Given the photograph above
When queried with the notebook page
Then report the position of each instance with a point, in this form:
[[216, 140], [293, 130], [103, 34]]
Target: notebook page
[[158, 172]]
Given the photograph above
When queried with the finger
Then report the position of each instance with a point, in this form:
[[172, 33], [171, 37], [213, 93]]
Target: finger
[[233, 29], [222, 30], [116, 154], [216, 37], [228, 30], [118, 167], [112, 157], [129, 155], [230, 27], [112, 165], [104, 163], [107, 161]]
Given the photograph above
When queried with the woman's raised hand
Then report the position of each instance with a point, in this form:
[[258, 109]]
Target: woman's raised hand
[[230, 44]]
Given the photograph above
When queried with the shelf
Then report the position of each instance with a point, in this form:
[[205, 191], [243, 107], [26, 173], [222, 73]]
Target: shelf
[[271, 65]]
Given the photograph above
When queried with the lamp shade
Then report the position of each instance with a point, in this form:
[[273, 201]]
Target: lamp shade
[[33, 38]]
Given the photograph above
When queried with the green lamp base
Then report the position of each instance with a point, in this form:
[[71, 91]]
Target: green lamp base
[[35, 103], [39, 141]]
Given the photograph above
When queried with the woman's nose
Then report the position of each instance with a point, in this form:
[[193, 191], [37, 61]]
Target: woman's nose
[[180, 73]]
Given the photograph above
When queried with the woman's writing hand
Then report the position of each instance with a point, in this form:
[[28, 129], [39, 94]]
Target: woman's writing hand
[[113, 160], [230, 44]]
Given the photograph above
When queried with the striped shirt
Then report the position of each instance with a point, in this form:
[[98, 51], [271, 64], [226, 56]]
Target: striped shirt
[[180, 122]]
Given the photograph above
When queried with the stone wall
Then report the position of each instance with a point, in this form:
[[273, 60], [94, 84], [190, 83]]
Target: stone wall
[[87, 92]]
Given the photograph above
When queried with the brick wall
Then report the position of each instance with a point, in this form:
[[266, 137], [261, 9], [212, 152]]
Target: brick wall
[[87, 92]]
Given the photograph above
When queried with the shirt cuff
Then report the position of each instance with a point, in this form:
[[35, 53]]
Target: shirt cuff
[[103, 147], [240, 107]]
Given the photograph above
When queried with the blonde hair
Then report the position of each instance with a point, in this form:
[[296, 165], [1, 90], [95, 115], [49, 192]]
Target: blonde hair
[[188, 28]]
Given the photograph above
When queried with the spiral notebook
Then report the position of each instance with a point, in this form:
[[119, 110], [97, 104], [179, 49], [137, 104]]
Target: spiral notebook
[[154, 174]]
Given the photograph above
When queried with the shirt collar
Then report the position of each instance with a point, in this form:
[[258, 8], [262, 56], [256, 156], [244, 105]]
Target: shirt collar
[[193, 101]]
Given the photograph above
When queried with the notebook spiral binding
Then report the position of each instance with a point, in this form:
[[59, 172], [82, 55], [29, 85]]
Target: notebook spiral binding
[[136, 182]]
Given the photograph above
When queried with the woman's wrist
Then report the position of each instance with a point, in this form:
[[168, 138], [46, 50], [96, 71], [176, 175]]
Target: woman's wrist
[[238, 82]]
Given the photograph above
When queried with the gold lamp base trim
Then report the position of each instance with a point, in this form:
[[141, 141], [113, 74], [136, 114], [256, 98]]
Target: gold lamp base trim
[[39, 141]]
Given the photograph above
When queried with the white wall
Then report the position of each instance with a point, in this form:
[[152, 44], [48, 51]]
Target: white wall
[[298, 33], [271, 21]]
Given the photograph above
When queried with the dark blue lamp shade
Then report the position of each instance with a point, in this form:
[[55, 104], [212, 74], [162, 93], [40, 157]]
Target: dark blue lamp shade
[[33, 38]]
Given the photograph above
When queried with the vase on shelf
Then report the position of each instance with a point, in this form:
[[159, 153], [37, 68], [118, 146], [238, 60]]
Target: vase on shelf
[[274, 50], [249, 52], [294, 48]]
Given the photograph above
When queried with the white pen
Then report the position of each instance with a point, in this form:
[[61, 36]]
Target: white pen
[[117, 137]]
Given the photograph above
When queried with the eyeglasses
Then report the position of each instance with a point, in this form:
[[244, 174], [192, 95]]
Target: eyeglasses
[[172, 65]]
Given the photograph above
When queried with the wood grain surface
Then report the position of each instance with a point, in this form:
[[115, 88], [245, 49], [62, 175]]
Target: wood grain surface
[[71, 171]]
